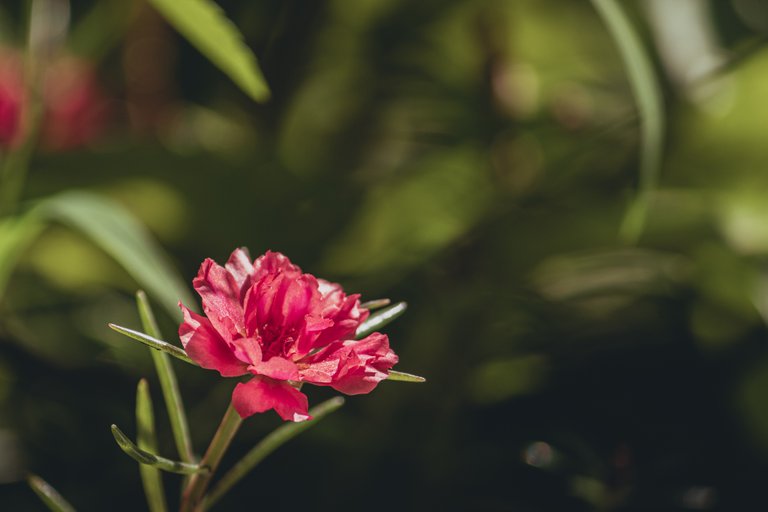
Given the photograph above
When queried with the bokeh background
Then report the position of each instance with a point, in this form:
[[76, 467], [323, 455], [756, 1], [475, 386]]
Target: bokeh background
[[474, 158]]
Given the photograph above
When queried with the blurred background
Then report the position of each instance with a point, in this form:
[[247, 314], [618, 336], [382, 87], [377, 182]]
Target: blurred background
[[475, 158]]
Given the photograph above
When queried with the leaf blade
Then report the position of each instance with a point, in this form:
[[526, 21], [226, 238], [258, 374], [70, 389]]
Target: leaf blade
[[380, 319], [147, 440], [404, 377], [123, 237], [168, 383], [50, 496], [154, 343], [646, 90], [205, 25], [145, 457]]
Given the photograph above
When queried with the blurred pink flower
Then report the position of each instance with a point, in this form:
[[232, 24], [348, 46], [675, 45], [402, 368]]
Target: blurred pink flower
[[74, 105], [284, 327], [11, 98]]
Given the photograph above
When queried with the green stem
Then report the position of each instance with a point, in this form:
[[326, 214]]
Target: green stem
[[650, 106], [267, 445], [192, 497]]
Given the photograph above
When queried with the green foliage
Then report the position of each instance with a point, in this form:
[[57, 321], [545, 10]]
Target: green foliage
[[168, 382], [50, 496], [153, 460], [146, 439], [205, 25], [645, 88], [120, 235]]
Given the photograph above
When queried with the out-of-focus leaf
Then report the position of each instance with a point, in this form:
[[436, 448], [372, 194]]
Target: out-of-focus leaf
[[205, 25], [49, 495], [273, 441], [645, 87], [151, 342], [167, 376], [16, 234], [146, 439], [380, 319], [119, 234], [144, 457], [101, 28]]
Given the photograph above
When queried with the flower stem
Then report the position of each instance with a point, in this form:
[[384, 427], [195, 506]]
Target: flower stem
[[273, 441], [193, 494]]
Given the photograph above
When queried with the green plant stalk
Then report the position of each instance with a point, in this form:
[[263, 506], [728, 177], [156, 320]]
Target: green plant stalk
[[269, 444], [168, 383], [50, 496], [147, 440], [193, 493], [645, 88]]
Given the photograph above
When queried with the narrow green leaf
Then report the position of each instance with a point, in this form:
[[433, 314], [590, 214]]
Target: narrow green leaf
[[378, 320], [375, 304], [273, 441], [101, 28], [650, 107], [145, 457], [168, 383], [16, 235], [206, 26], [119, 234], [49, 495], [147, 440], [154, 343], [404, 377]]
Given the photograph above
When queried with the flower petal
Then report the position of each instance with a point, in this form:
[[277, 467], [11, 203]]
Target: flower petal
[[321, 372], [221, 299], [277, 368], [363, 364], [262, 394], [206, 347], [240, 267], [273, 263]]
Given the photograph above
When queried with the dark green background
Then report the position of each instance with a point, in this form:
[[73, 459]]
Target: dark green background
[[473, 158]]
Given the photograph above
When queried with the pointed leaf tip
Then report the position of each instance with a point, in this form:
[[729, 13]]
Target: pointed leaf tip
[[404, 377], [154, 343]]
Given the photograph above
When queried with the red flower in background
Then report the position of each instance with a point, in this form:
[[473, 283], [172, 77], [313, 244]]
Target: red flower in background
[[11, 98], [284, 327], [74, 104]]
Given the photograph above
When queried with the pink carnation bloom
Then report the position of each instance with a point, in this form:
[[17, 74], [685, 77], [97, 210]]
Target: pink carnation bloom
[[284, 327]]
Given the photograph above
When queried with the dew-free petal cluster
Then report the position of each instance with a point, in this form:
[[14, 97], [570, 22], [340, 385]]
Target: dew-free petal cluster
[[268, 319]]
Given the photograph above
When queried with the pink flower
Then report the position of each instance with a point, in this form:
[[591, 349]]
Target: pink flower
[[284, 327], [75, 109], [11, 98]]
